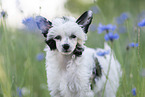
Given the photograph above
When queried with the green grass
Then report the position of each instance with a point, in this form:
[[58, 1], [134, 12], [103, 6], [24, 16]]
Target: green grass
[[19, 67], [18, 64]]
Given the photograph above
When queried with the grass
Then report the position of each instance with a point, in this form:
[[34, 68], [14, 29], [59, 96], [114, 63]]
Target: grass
[[20, 69], [18, 64]]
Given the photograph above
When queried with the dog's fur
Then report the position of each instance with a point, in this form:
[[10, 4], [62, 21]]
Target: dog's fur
[[74, 70]]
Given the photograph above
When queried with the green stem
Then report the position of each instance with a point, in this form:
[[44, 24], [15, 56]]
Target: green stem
[[108, 69], [128, 30]]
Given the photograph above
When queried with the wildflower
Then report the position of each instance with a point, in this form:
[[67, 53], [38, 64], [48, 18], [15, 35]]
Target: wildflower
[[142, 23], [122, 18], [134, 91], [110, 36], [133, 45], [93, 27], [19, 92], [3, 14], [95, 9], [102, 53], [40, 56], [107, 28], [30, 23]]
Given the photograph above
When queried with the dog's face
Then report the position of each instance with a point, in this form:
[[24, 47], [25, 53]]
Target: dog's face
[[66, 34], [66, 43]]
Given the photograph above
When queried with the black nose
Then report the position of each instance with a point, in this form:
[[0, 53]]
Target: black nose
[[65, 46]]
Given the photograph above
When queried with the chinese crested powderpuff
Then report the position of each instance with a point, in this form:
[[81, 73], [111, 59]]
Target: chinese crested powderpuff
[[74, 70]]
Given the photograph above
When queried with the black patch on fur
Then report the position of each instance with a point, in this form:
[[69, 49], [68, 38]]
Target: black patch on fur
[[97, 73], [51, 43], [65, 19], [86, 27], [78, 50], [45, 33], [98, 69], [82, 17]]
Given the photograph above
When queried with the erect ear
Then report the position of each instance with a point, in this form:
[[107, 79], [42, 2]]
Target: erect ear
[[85, 20], [43, 24]]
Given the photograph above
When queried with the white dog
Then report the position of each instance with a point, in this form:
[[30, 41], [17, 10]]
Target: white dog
[[74, 70]]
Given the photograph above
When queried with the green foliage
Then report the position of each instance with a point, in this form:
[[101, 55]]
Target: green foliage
[[19, 67]]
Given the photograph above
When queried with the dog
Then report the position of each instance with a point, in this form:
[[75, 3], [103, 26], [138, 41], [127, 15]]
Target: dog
[[74, 70]]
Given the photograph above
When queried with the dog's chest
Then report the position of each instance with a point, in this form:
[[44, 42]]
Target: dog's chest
[[73, 79], [69, 77]]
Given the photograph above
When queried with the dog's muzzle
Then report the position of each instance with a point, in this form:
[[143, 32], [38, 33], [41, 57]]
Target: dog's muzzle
[[66, 47]]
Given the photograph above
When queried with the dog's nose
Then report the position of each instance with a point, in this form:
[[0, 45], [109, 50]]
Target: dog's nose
[[65, 46]]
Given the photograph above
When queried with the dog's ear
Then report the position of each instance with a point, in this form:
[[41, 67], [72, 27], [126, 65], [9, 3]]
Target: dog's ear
[[85, 20], [43, 24]]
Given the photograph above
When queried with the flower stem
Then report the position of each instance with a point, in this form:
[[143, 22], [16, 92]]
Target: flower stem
[[108, 69]]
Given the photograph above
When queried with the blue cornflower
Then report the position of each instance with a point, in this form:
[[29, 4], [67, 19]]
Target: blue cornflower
[[19, 92], [40, 56], [134, 91], [122, 18], [110, 36], [30, 23], [3, 14], [142, 23], [107, 28], [133, 44], [102, 53]]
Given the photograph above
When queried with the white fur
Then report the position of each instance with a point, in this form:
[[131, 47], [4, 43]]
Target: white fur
[[65, 29], [68, 75], [114, 74]]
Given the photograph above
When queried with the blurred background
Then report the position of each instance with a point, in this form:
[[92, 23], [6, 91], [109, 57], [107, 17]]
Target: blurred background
[[22, 59]]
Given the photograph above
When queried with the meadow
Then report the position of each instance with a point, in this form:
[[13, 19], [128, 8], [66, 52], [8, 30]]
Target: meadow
[[22, 59]]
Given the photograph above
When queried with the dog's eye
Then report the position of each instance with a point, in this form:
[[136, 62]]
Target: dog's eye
[[72, 36], [58, 37]]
